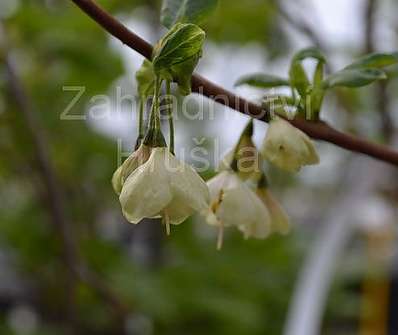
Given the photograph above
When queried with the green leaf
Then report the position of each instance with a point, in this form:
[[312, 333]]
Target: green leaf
[[318, 74], [353, 78], [177, 54], [261, 80], [182, 42], [375, 60], [193, 11], [145, 77], [392, 71], [182, 74], [311, 52], [313, 109], [317, 92], [297, 75], [298, 78]]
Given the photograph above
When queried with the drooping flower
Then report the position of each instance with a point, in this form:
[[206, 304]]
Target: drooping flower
[[233, 203], [137, 158], [288, 147], [163, 187], [152, 182]]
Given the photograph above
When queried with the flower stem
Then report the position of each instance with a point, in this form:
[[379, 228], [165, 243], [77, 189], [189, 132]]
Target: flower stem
[[154, 136], [170, 116], [154, 118], [141, 130], [141, 119], [156, 115]]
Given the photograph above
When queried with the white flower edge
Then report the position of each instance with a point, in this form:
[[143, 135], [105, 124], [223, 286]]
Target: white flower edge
[[137, 158]]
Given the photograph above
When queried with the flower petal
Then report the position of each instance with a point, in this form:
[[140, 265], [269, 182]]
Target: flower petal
[[288, 147], [146, 191], [190, 192], [279, 219], [237, 206], [117, 180], [137, 158]]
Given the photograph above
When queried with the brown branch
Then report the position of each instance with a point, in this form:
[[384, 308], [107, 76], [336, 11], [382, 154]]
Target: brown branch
[[305, 28], [317, 130], [77, 269]]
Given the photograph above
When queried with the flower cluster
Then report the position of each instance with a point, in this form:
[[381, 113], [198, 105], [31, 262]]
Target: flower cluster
[[153, 183], [240, 196]]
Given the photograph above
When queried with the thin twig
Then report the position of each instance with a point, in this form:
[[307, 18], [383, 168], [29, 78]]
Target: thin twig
[[304, 27], [53, 199], [369, 25], [77, 269], [301, 25], [317, 130], [382, 100]]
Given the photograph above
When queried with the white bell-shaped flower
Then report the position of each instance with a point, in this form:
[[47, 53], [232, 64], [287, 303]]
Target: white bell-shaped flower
[[233, 203], [279, 219], [163, 187], [288, 147], [137, 158]]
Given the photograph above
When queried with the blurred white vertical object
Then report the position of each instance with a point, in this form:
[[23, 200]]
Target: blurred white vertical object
[[309, 299]]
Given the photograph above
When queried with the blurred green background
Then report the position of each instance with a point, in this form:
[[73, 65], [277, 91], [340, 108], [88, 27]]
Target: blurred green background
[[145, 282]]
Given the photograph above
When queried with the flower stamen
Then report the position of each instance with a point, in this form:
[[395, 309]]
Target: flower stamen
[[166, 222]]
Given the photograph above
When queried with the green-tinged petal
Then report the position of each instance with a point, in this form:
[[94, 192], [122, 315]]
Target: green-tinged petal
[[288, 147], [313, 157], [117, 180], [279, 219], [137, 158]]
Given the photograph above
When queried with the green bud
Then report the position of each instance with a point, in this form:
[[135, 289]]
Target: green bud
[[177, 54]]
